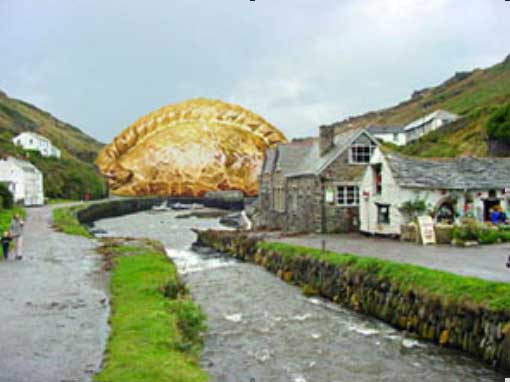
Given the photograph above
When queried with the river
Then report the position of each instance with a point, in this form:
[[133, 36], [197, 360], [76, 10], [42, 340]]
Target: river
[[262, 330]]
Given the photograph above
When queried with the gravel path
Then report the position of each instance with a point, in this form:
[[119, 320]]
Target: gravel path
[[487, 262], [53, 315]]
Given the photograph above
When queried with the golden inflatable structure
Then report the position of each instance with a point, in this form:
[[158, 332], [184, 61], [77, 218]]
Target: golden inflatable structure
[[188, 149]]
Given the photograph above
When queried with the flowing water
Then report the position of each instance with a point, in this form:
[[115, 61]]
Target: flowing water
[[263, 330]]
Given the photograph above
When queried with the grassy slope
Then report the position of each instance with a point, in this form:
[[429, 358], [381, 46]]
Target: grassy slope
[[154, 337], [472, 95], [446, 286], [69, 177]]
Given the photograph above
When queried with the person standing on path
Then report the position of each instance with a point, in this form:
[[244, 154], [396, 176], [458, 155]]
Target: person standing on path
[[16, 230], [6, 242]]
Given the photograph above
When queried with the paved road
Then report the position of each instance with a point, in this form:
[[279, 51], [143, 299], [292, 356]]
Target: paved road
[[53, 317], [487, 262]]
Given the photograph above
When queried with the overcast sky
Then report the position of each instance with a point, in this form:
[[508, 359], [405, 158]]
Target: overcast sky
[[101, 64]]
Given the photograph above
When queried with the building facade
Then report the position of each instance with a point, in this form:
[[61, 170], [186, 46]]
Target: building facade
[[391, 134], [427, 124], [449, 188], [24, 181], [32, 141], [313, 185]]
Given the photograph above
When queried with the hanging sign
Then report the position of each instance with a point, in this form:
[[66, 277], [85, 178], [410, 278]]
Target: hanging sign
[[427, 233], [330, 195]]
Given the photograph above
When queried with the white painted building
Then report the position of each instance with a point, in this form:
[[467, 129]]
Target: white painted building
[[390, 134], [452, 187], [427, 124], [33, 141], [24, 180]]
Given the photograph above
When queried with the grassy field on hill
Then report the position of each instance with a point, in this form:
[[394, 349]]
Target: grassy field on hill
[[474, 95], [71, 176]]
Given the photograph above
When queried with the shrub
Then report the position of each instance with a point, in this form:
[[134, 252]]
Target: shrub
[[6, 197], [498, 126]]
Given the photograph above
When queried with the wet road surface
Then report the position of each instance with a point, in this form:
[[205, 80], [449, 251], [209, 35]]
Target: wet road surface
[[263, 330], [53, 312]]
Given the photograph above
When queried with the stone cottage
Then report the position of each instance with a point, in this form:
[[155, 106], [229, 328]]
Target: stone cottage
[[449, 188], [312, 185]]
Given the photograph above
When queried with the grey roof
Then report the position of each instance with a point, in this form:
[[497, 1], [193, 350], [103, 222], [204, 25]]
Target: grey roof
[[379, 129], [438, 114], [303, 158], [466, 173]]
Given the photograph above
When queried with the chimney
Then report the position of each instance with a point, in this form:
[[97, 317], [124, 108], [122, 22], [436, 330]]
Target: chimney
[[326, 139]]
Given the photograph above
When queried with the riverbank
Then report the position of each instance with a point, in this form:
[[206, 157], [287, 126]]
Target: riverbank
[[454, 311], [155, 327]]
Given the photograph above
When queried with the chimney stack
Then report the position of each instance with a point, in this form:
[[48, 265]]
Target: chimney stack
[[326, 139]]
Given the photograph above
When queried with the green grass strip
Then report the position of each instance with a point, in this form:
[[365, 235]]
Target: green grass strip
[[65, 220], [7, 215], [154, 337], [447, 287]]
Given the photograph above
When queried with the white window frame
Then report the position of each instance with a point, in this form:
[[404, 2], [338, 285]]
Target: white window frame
[[371, 147], [345, 190]]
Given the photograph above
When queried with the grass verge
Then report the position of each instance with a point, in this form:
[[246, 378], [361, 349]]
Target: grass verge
[[65, 220], [447, 287], [7, 215], [155, 328]]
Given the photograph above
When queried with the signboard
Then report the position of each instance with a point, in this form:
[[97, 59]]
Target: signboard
[[427, 233], [330, 195]]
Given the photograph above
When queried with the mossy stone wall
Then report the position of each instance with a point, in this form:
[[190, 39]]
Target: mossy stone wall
[[478, 331]]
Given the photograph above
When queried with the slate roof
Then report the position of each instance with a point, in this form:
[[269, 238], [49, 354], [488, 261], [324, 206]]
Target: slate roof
[[466, 173], [379, 129], [301, 158], [438, 114]]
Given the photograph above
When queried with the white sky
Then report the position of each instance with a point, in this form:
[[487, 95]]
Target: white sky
[[100, 65]]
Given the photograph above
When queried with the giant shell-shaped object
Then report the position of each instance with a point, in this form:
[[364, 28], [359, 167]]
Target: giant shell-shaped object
[[188, 149]]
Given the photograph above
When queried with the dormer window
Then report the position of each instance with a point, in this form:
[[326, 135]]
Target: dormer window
[[361, 153]]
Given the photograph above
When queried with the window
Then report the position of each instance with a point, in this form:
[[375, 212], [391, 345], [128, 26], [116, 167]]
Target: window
[[383, 214], [395, 137], [378, 179], [361, 153], [347, 195], [279, 199]]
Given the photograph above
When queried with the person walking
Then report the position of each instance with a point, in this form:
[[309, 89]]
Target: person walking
[[16, 230], [6, 242]]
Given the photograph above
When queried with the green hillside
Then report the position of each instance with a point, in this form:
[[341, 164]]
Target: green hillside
[[474, 95], [72, 175]]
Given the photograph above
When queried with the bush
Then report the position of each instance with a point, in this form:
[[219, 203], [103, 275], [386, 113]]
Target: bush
[[498, 126], [6, 197], [471, 230]]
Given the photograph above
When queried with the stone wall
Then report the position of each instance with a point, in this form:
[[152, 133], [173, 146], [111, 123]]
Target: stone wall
[[498, 148], [124, 206], [478, 331]]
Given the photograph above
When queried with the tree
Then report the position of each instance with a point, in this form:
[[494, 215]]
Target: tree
[[6, 197], [498, 126]]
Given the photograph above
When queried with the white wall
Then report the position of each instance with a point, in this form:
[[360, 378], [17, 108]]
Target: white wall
[[31, 141], [424, 129], [400, 138], [25, 184], [394, 195], [11, 173]]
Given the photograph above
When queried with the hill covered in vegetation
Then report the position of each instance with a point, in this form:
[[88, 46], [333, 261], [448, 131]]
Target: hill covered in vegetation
[[72, 175], [474, 95]]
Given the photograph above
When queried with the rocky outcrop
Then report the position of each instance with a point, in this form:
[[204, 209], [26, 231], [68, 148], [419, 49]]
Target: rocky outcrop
[[477, 330]]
